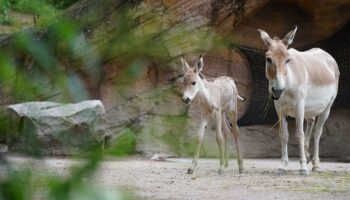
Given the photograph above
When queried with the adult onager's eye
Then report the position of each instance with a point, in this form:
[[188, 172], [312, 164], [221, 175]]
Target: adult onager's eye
[[288, 60], [193, 83], [268, 60]]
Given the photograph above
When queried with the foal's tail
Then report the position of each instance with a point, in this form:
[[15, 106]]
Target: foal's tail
[[240, 97]]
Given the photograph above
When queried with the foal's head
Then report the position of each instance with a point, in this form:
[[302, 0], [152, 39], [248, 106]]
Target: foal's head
[[191, 80], [277, 61]]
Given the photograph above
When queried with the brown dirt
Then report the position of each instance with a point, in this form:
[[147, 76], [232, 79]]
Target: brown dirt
[[168, 179]]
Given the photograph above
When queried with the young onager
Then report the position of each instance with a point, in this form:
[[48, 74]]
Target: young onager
[[217, 99], [303, 85]]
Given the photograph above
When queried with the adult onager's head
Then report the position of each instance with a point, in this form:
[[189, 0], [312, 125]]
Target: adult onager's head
[[217, 99], [191, 80], [304, 86], [277, 61]]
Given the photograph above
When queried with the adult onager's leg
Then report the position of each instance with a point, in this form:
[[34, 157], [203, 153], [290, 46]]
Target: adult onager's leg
[[284, 136], [204, 123], [321, 119], [309, 130], [300, 107]]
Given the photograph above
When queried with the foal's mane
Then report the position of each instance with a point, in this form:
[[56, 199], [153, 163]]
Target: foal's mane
[[205, 77]]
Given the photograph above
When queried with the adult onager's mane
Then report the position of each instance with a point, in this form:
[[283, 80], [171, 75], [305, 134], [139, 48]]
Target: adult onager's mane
[[303, 85]]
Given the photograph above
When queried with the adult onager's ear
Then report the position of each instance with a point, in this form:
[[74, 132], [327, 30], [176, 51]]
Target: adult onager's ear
[[265, 37], [288, 39], [199, 65], [185, 66]]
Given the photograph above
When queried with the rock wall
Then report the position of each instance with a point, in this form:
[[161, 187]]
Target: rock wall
[[151, 104], [146, 98]]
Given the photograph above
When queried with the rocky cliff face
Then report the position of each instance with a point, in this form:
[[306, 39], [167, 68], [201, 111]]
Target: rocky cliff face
[[152, 103], [146, 98]]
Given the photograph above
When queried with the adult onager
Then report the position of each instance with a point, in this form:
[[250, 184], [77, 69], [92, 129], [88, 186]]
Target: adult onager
[[217, 99], [303, 85]]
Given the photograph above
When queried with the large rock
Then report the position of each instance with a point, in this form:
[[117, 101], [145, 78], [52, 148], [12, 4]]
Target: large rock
[[49, 128]]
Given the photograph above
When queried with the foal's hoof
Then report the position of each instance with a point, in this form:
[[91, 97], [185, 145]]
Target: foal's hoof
[[316, 169], [304, 172], [281, 172], [190, 171], [241, 170], [221, 172]]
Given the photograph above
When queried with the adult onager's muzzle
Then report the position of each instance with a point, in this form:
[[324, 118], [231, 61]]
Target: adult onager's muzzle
[[186, 100], [276, 93]]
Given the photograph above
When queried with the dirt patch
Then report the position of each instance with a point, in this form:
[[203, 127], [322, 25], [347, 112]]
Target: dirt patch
[[168, 180]]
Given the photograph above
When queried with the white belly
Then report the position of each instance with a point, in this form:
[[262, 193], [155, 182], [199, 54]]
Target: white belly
[[317, 99]]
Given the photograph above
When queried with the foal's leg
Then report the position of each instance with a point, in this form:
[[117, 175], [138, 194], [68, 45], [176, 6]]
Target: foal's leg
[[226, 131], [310, 125], [235, 134], [220, 140], [318, 132], [200, 135]]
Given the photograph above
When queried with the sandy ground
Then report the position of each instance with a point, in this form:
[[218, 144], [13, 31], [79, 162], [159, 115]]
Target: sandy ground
[[149, 179]]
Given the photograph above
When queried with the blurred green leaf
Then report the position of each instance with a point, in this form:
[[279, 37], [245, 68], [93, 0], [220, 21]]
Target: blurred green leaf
[[124, 144], [17, 185]]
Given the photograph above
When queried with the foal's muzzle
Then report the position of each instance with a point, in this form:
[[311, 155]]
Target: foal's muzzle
[[276, 93]]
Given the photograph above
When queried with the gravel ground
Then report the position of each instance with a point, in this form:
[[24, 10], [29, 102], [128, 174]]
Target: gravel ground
[[149, 179]]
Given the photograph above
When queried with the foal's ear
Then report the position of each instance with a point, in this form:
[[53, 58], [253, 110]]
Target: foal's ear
[[265, 37], [288, 39], [185, 66], [200, 64]]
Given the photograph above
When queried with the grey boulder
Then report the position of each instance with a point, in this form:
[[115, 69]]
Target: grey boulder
[[49, 128]]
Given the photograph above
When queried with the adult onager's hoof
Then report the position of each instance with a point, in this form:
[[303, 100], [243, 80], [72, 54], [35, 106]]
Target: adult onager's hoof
[[221, 171], [308, 160], [190, 171], [308, 157], [304, 172], [316, 169], [240, 170], [281, 172]]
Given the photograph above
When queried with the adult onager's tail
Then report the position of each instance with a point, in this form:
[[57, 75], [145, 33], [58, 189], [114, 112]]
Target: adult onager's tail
[[241, 98]]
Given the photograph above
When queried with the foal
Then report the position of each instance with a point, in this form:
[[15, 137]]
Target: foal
[[218, 100]]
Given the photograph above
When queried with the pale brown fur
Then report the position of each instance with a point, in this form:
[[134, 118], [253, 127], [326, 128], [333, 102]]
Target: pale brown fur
[[217, 100], [318, 65], [304, 86]]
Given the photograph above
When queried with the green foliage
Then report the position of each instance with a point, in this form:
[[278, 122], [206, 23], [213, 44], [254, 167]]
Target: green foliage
[[57, 61], [124, 144], [4, 9], [44, 10], [17, 179]]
